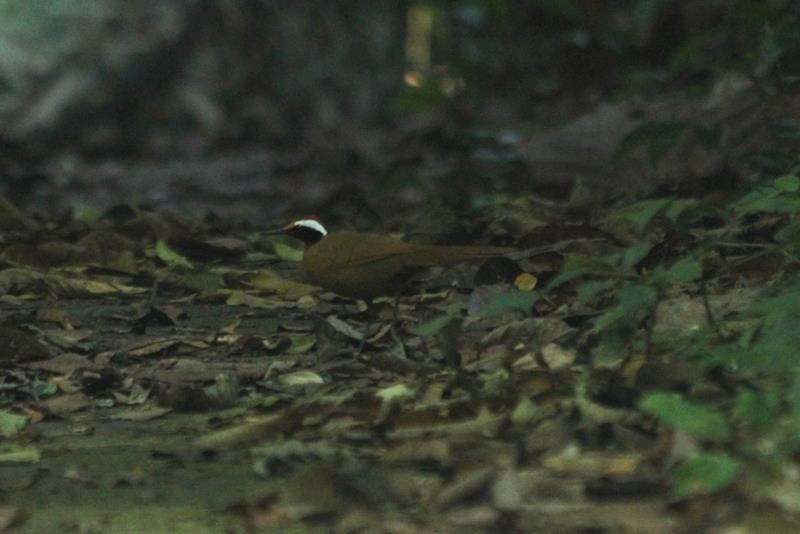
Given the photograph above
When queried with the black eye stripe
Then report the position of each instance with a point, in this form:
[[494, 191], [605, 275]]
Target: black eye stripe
[[305, 234], [311, 224]]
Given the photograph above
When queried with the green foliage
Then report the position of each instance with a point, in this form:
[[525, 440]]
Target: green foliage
[[757, 38], [754, 432], [447, 329], [770, 344], [436, 324], [631, 257], [788, 183], [705, 473], [777, 196], [631, 300], [757, 411], [683, 271], [589, 290], [794, 398], [641, 213], [574, 267], [680, 212], [40, 389], [680, 414]]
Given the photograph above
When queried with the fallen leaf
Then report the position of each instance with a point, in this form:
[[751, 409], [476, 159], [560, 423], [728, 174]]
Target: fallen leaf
[[557, 357], [300, 378], [240, 298], [344, 328], [301, 343], [152, 347], [19, 346], [20, 455], [63, 364], [394, 393], [170, 257], [66, 403], [141, 414], [525, 282]]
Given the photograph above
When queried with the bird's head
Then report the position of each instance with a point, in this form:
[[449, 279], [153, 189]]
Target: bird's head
[[309, 230]]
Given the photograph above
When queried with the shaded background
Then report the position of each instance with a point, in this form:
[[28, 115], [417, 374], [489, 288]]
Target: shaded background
[[198, 105]]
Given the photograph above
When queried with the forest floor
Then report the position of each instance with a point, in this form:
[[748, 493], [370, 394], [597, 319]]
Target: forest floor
[[164, 370]]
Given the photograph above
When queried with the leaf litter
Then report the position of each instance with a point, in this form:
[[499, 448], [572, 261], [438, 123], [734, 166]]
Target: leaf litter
[[480, 406]]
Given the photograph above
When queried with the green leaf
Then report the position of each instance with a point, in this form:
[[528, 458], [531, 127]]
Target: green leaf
[[513, 301], [641, 213], [574, 267], [685, 210], [758, 410], [794, 397], [789, 233], [611, 349], [766, 200], [567, 275], [11, 424], [633, 255], [681, 272], [43, 388], [704, 474], [435, 325], [447, 329], [588, 290], [770, 344], [631, 299], [170, 257], [676, 412], [788, 183]]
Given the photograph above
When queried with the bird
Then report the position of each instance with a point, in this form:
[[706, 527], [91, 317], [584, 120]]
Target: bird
[[366, 265]]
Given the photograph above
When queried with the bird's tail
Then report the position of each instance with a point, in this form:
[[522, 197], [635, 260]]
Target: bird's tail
[[432, 255]]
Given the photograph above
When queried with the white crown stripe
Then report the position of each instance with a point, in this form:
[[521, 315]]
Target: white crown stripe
[[311, 224]]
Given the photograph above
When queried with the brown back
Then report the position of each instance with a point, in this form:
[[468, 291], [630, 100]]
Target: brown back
[[368, 265]]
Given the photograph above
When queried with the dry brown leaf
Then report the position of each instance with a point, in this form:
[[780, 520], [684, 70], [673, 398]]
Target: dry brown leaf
[[66, 403]]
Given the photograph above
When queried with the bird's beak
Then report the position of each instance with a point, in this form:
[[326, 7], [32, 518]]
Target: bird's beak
[[275, 231]]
